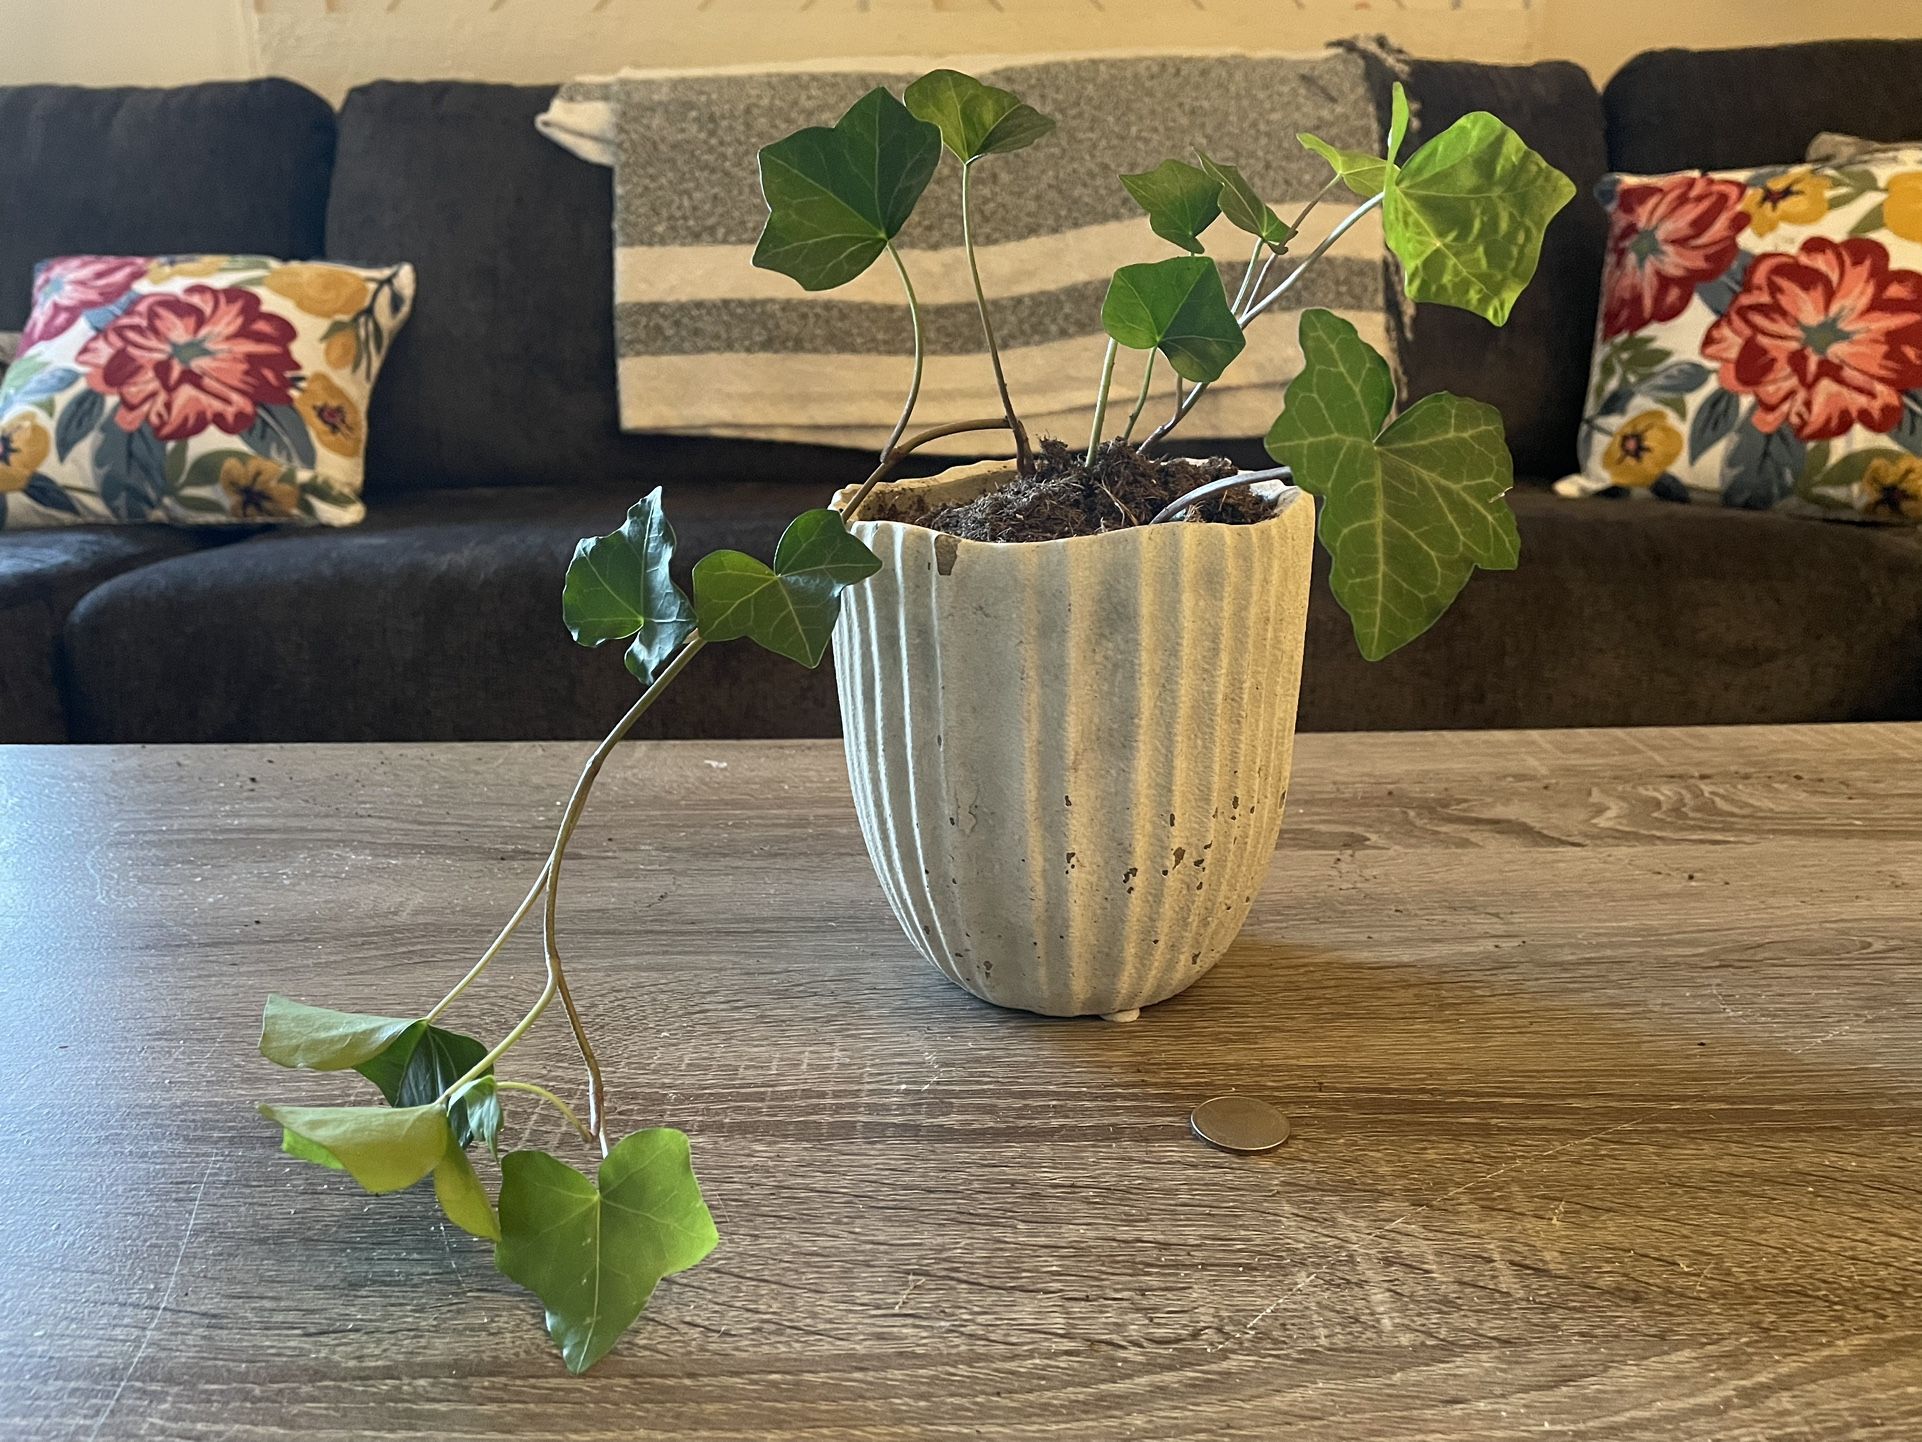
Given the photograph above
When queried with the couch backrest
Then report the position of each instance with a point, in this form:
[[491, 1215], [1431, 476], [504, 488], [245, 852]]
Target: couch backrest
[[1722, 109], [226, 166]]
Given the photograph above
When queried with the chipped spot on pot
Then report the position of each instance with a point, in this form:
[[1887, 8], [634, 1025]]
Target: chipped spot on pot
[[1130, 874], [1180, 851], [946, 549]]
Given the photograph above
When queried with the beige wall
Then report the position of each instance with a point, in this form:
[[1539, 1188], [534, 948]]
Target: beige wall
[[333, 44]]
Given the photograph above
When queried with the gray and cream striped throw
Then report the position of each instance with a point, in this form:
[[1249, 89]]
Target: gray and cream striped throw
[[709, 345]]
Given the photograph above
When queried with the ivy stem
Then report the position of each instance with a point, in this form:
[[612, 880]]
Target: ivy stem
[[913, 443], [513, 925], [1141, 400], [556, 974], [914, 386], [1248, 281], [556, 983], [1188, 401], [1101, 400], [1023, 458], [547, 1096]]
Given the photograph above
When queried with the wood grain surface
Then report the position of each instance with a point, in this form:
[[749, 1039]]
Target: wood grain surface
[[1603, 1052]]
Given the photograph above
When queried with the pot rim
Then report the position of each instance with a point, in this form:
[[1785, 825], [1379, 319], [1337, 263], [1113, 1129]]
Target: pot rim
[[1286, 497]]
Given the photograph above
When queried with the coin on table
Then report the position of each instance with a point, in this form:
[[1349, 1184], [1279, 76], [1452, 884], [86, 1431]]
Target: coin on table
[[1239, 1124]]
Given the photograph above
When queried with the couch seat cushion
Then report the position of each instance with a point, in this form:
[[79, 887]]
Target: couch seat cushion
[[439, 618], [42, 575], [1635, 613]]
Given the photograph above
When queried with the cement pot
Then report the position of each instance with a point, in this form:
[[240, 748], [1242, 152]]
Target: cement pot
[[1070, 757]]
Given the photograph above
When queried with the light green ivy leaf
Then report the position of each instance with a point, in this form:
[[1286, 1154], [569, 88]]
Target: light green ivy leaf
[[791, 606], [593, 1250], [837, 195], [313, 1038], [462, 1197], [1467, 213], [1181, 201], [1365, 174], [1244, 207], [975, 119], [385, 1149], [1178, 307], [1407, 512]]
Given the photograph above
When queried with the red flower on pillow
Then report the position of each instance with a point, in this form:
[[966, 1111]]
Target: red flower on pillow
[[65, 289], [1825, 339], [181, 363], [1664, 239]]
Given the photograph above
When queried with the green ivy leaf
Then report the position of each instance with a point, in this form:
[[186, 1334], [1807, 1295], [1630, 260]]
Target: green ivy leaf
[[1467, 213], [1407, 512], [1175, 306], [975, 119], [420, 1064], [385, 1149], [618, 584], [592, 1251], [836, 196], [1367, 175], [1245, 209], [1181, 201], [1361, 172], [312, 1038], [482, 1100], [462, 1197], [790, 607]]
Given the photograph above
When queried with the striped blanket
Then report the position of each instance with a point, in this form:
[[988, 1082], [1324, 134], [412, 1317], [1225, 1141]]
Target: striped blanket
[[709, 345]]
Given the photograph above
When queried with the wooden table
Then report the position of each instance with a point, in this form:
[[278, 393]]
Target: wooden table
[[1603, 1051]]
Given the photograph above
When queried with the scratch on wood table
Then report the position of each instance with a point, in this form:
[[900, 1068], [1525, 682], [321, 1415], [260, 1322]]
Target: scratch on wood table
[[1603, 1054]]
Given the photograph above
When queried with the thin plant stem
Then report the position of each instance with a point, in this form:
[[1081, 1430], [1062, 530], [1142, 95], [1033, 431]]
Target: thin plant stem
[[555, 1102], [1347, 222], [913, 443], [1247, 278], [914, 386], [1023, 458], [556, 982], [1141, 400], [513, 925], [557, 975], [1101, 400], [1188, 401]]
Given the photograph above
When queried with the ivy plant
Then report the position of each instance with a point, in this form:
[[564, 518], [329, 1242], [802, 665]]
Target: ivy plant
[[1410, 506]]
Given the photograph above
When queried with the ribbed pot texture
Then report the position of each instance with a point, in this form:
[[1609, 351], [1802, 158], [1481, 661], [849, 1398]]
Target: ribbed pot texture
[[1070, 757]]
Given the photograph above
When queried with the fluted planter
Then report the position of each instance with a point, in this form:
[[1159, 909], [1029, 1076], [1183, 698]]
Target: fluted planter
[[1070, 757]]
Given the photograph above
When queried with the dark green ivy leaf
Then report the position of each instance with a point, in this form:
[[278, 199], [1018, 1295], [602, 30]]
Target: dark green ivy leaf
[[593, 1249], [975, 119], [618, 586], [790, 607], [1245, 209], [420, 1064], [837, 195], [1181, 201], [1176, 306], [1407, 512]]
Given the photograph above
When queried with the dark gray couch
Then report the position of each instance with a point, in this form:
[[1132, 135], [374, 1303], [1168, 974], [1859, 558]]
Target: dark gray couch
[[494, 444]]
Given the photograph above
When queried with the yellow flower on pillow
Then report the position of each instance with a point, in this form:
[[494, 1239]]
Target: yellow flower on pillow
[[342, 349], [1799, 198], [333, 418], [23, 450], [1902, 210], [172, 267], [1891, 487], [319, 289], [1642, 449], [259, 489]]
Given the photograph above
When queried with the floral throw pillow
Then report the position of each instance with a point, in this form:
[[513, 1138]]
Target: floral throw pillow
[[195, 390], [1760, 342]]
